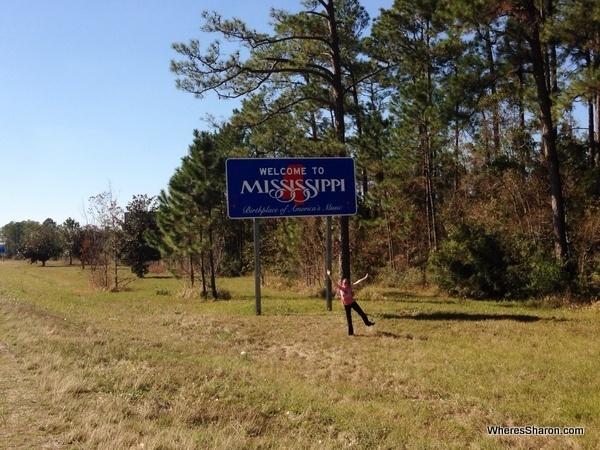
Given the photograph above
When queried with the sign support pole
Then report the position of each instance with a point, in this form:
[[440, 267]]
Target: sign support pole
[[257, 267], [328, 261]]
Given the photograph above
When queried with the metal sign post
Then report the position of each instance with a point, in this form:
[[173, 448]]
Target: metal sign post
[[328, 262], [257, 297]]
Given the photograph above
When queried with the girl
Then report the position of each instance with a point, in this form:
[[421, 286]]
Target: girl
[[347, 296]]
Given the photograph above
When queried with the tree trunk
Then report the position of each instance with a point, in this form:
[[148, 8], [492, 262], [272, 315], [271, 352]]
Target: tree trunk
[[340, 129], [596, 133], [495, 106], [211, 263], [203, 276], [541, 74], [591, 132], [116, 273], [595, 150], [430, 197], [192, 271]]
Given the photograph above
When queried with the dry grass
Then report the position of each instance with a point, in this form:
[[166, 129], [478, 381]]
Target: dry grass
[[150, 369]]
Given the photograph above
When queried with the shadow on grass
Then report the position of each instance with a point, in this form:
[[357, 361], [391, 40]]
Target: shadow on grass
[[463, 317], [387, 334], [407, 297]]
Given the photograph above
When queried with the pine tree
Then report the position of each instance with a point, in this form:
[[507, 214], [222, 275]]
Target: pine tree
[[189, 209], [415, 38], [306, 60], [530, 21]]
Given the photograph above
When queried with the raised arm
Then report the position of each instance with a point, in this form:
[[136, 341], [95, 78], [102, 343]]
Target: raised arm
[[362, 279], [332, 280]]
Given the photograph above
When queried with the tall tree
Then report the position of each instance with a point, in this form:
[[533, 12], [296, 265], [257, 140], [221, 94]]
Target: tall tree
[[42, 243], [416, 37], [69, 231], [580, 32], [304, 60], [530, 24], [14, 232], [106, 216], [187, 211], [140, 219]]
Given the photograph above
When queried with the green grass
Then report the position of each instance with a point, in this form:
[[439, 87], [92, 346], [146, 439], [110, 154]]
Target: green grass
[[146, 368]]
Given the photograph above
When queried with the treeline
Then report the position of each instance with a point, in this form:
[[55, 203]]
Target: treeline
[[474, 171], [473, 124], [112, 237]]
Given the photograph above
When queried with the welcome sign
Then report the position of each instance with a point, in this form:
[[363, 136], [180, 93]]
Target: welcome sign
[[289, 187]]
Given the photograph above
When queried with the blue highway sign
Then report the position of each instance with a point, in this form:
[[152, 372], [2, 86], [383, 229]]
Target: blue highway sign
[[290, 187]]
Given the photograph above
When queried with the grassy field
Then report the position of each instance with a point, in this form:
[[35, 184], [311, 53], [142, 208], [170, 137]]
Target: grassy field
[[149, 369]]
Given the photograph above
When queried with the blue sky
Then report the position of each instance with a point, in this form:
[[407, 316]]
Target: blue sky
[[87, 99]]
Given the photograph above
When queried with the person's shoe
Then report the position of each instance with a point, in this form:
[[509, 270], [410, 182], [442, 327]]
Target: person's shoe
[[370, 324]]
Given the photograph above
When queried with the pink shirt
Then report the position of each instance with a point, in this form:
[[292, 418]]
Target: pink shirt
[[346, 295]]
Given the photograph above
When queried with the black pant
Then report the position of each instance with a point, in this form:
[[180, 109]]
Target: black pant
[[356, 307]]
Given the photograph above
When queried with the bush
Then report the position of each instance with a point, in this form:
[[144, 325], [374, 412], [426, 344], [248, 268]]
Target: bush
[[547, 276], [479, 264], [473, 263], [224, 294]]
